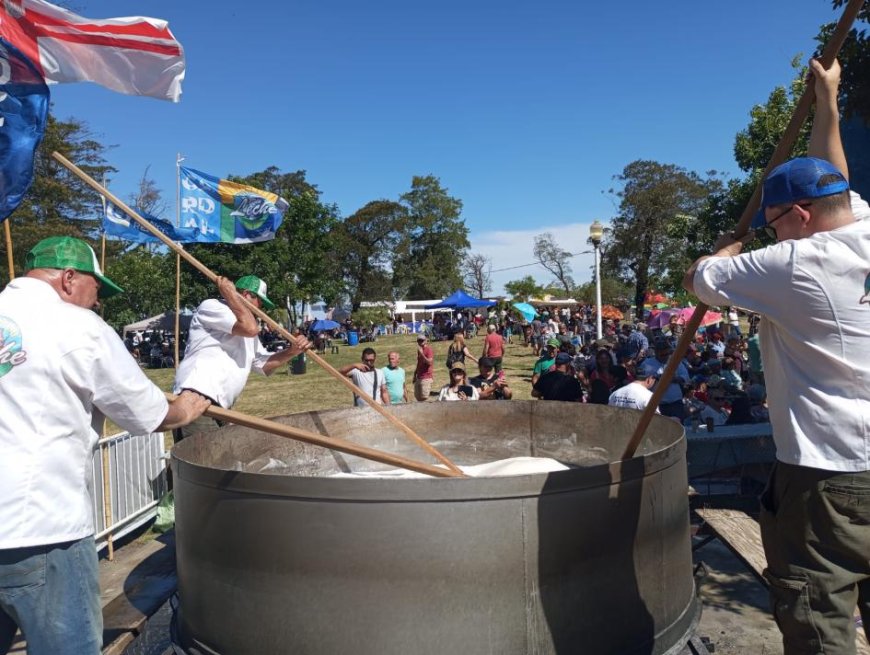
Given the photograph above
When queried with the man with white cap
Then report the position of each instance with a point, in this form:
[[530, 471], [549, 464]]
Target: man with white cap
[[811, 287], [62, 370], [223, 346]]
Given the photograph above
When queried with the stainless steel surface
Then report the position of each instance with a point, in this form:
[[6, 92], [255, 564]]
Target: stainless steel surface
[[595, 559]]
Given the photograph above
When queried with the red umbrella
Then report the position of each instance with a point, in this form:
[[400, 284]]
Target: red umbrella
[[710, 318]]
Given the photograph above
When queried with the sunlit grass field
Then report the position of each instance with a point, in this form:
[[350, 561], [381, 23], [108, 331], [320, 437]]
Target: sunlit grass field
[[283, 393]]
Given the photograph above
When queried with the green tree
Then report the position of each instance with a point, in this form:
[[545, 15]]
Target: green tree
[[754, 146], [555, 259], [364, 244], [524, 288], [613, 292], [148, 280], [57, 197], [435, 239], [638, 248]]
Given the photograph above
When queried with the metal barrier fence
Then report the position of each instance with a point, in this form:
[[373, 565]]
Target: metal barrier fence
[[129, 479]]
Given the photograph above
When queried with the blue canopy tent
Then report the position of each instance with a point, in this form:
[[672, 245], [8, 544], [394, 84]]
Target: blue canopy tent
[[460, 300]]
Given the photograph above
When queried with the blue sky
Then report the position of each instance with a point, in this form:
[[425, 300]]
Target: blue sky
[[525, 111]]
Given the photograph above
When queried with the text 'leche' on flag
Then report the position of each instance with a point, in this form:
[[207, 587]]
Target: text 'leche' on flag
[[116, 224], [228, 212], [23, 113], [135, 55]]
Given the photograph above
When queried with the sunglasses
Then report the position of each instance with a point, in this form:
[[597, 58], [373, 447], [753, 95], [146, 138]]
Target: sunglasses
[[771, 231]]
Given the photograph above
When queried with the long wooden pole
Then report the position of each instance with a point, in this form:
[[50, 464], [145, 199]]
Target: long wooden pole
[[783, 150], [333, 443], [9, 258], [193, 261]]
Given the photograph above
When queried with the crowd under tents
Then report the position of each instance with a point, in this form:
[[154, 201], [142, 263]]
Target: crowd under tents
[[164, 322]]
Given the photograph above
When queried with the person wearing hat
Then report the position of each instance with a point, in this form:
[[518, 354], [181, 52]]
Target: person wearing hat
[[559, 384], [223, 346], [810, 287], [458, 387], [492, 385], [636, 394], [62, 370], [671, 403], [546, 361]]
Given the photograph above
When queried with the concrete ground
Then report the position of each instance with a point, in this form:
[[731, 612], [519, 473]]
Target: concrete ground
[[735, 616]]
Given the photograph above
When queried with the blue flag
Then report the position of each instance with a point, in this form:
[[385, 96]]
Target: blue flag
[[228, 212], [23, 113], [117, 224]]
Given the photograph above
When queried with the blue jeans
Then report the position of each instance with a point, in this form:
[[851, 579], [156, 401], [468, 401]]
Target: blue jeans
[[52, 593]]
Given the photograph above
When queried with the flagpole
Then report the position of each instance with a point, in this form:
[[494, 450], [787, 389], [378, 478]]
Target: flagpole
[[178, 160], [193, 261], [9, 257]]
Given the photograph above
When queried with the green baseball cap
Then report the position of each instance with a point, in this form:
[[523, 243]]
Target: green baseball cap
[[553, 343], [256, 286], [69, 252]]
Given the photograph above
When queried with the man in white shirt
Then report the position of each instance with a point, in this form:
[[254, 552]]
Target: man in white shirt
[[368, 378], [62, 370], [223, 345], [811, 287], [637, 394]]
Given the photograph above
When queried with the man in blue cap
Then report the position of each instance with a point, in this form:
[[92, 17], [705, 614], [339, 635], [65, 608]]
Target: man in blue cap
[[815, 345]]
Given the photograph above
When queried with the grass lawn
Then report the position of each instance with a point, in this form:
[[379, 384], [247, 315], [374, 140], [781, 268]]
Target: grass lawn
[[282, 393]]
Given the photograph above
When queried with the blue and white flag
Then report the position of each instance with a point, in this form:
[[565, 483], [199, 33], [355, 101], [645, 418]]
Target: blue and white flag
[[116, 224], [23, 113], [228, 212]]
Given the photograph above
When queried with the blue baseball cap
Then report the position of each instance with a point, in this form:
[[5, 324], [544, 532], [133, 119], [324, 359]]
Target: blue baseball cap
[[795, 180], [649, 369]]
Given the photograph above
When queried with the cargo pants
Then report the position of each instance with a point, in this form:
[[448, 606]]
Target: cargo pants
[[815, 527]]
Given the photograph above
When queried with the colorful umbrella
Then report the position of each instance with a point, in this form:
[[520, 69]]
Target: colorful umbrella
[[710, 318], [526, 310], [611, 312], [660, 319]]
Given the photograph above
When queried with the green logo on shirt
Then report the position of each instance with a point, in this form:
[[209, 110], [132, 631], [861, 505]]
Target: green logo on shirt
[[11, 352], [866, 297]]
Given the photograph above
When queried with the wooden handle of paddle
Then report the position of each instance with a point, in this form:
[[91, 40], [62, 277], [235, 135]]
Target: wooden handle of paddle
[[333, 443], [783, 150], [193, 261]]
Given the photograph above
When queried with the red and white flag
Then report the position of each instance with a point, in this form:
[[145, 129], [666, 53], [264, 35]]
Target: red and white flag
[[133, 55]]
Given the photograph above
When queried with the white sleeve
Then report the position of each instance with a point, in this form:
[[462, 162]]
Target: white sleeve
[[750, 280], [215, 316], [860, 208], [119, 389], [261, 356]]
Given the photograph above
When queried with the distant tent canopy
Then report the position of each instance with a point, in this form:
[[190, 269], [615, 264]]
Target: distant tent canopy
[[460, 300], [164, 321]]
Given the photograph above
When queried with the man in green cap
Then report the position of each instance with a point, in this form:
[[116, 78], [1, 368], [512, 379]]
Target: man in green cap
[[62, 369], [223, 346], [547, 360]]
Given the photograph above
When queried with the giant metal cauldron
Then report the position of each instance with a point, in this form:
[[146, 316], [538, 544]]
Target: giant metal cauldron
[[276, 556]]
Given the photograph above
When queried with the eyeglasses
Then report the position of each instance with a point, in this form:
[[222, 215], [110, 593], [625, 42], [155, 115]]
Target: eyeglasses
[[771, 231]]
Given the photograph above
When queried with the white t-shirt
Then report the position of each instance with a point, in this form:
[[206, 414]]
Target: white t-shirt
[[61, 370], [719, 416], [216, 363], [815, 339], [448, 394], [369, 381], [633, 395]]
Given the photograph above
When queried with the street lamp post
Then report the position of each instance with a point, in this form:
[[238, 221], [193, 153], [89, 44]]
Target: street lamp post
[[596, 231]]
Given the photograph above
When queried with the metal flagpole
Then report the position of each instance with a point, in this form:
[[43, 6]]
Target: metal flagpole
[[178, 160]]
